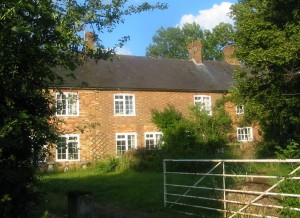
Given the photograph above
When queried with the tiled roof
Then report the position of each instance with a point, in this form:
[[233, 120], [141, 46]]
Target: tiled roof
[[144, 73]]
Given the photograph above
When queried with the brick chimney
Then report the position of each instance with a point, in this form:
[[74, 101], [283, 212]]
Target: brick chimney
[[89, 37], [195, 52], [229, 55]]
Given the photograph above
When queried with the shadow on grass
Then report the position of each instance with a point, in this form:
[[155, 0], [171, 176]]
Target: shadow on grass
[[128, 191]]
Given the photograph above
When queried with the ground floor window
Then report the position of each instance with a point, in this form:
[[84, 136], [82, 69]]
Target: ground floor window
[[245, 134], [125, 142], [68, 148], [152, 140]]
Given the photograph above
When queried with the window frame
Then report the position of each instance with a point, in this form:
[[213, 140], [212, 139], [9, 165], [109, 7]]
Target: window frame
[[123, 101], [239, 109], [202, 104], [244, 136], [67, 94], [157, 141], [126, 135], [67, 154]]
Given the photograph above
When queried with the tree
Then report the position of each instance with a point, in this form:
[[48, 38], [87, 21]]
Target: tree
[[267, 42], [35, 37], [215, 40], [173, 41]]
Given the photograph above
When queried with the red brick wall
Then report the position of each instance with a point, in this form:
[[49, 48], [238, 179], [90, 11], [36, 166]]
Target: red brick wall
[[236, 118], [97, 107]]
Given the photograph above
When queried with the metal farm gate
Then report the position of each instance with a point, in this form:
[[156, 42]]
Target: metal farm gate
[[233, 188]]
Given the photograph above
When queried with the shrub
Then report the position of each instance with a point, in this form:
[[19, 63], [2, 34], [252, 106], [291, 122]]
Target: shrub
[[292, 150], [110, 165], [199, 135], [142, 159]]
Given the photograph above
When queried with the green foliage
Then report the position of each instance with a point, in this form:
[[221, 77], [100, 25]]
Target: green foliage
[[166, 119], [169, 43], [110, 165], [36, 37], [178, 137], [139, 160], [290, 187], [267, 41], [211, 129], [292, 151], [214, 41], [199, 135], [172, 42], [142, 160]]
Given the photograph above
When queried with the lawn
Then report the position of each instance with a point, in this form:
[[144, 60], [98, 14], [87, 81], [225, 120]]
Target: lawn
[[137, 191], [130, 190]]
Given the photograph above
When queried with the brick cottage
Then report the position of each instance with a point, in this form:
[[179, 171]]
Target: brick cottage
[[106, 110]]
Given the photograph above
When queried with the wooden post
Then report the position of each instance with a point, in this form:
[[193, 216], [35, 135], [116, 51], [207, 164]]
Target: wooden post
[[81, 205]]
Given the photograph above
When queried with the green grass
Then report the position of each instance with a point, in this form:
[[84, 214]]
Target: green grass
[[141, 191], [129, 190]]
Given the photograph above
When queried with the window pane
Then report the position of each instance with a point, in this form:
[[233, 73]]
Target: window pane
[[239, 109], [61, 104], [68, 148], [152, 140], [129, 104], [72, 151], [149, 144], [204, 102], [119, 107], [118, 97], [131, 142], [121, 136], [197, 98], [119, 104], [121, 144], [245, 134], [124, 104], [67, 104], [61, 149], [72, 104]]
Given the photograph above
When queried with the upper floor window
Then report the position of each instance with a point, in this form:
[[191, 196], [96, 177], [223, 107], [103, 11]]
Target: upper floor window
[[152, 139], [125, 142], [67, 104], [124, 105], [204, 101], [68, 148], [239, 109], [245, 134]]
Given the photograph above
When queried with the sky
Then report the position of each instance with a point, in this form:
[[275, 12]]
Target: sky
[[142, 27]]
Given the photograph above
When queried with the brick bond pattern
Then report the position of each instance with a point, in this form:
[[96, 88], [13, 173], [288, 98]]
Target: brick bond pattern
[[99, 125]]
